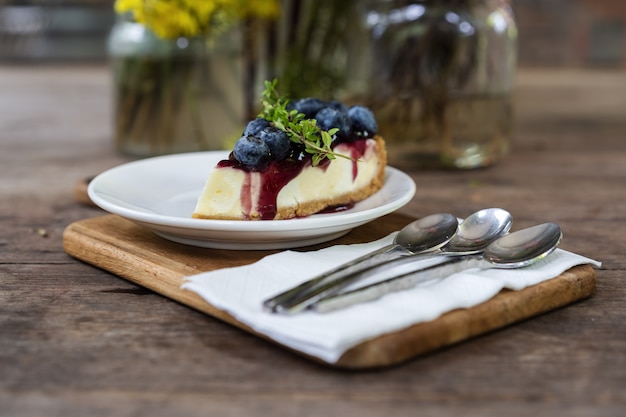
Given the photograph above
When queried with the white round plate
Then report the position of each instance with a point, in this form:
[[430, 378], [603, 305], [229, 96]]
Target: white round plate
[[160, 193]]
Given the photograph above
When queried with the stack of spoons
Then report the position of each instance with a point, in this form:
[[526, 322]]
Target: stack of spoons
[[482, 240]]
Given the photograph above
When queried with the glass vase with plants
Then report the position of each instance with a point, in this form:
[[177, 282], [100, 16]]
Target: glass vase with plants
[[177, 73]]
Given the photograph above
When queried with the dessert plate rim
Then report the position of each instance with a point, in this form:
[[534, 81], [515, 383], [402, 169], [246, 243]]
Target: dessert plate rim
[[160, 192]]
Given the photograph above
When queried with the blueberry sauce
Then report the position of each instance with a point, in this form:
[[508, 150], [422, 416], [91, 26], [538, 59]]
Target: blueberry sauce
[[357, 150]]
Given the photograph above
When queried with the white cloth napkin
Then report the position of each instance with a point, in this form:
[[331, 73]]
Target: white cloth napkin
[[241, 290]]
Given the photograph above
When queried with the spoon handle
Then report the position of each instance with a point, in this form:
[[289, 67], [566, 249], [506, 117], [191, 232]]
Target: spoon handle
[[303, 295], [449, 265]]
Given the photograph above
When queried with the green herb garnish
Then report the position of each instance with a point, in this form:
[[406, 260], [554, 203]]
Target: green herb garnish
[[316, 141]]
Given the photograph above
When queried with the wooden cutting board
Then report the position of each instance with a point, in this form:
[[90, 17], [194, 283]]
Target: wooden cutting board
[[136, 254]]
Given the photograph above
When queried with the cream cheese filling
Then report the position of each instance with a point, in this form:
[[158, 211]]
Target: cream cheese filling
[[235, 193]]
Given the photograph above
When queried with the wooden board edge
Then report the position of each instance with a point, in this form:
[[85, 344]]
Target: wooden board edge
[[459, 325], [96, 249], [85, 244]]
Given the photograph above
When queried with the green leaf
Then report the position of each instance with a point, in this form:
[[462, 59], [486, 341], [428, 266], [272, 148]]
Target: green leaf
[[299, 129]]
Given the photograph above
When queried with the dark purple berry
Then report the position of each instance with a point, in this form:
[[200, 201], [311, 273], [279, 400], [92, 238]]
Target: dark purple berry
[[254, 126], [363, 121], [296, 151], [309, 106], [277, 140], [329, 118], [252, 152], [337, 105]]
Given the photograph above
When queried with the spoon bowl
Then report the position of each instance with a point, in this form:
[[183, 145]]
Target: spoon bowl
[[428, 233], [515, 250], [524, 247], [478, 230]]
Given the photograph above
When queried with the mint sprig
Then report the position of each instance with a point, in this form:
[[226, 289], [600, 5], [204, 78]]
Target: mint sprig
[[299, 129]]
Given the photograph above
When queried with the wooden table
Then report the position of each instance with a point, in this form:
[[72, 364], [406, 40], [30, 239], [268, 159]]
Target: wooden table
[[78, 341]]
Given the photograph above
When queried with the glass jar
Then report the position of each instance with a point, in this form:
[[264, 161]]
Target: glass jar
[[174, 95], [441, 81]]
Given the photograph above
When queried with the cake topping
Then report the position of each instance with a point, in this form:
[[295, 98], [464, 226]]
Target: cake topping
[[277, 140], [363, 121], [253, 127], [308, 106], [328, 118], [305, 129], [252, 152]]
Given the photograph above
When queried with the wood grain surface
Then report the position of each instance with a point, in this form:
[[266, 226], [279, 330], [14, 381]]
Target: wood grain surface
[[133, 252], [76, 340]]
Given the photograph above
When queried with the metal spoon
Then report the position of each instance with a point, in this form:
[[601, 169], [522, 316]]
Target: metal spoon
[[515, 250], [474, 234], [477, 231], [423, 235]]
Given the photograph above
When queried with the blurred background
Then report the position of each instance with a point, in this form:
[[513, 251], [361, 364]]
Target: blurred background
[[552, 33], [54, 31], [571, 62]]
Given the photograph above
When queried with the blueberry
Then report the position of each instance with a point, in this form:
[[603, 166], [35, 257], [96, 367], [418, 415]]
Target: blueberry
[[277, 140], [337, 105], [329, 118], [363, 121], [252, 152], [253, 127], [309, 106], [297, 151]]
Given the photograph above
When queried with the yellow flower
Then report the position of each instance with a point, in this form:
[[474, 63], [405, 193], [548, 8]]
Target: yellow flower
[[268, 9], [175, 18], [125, 6], [168, 20]]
